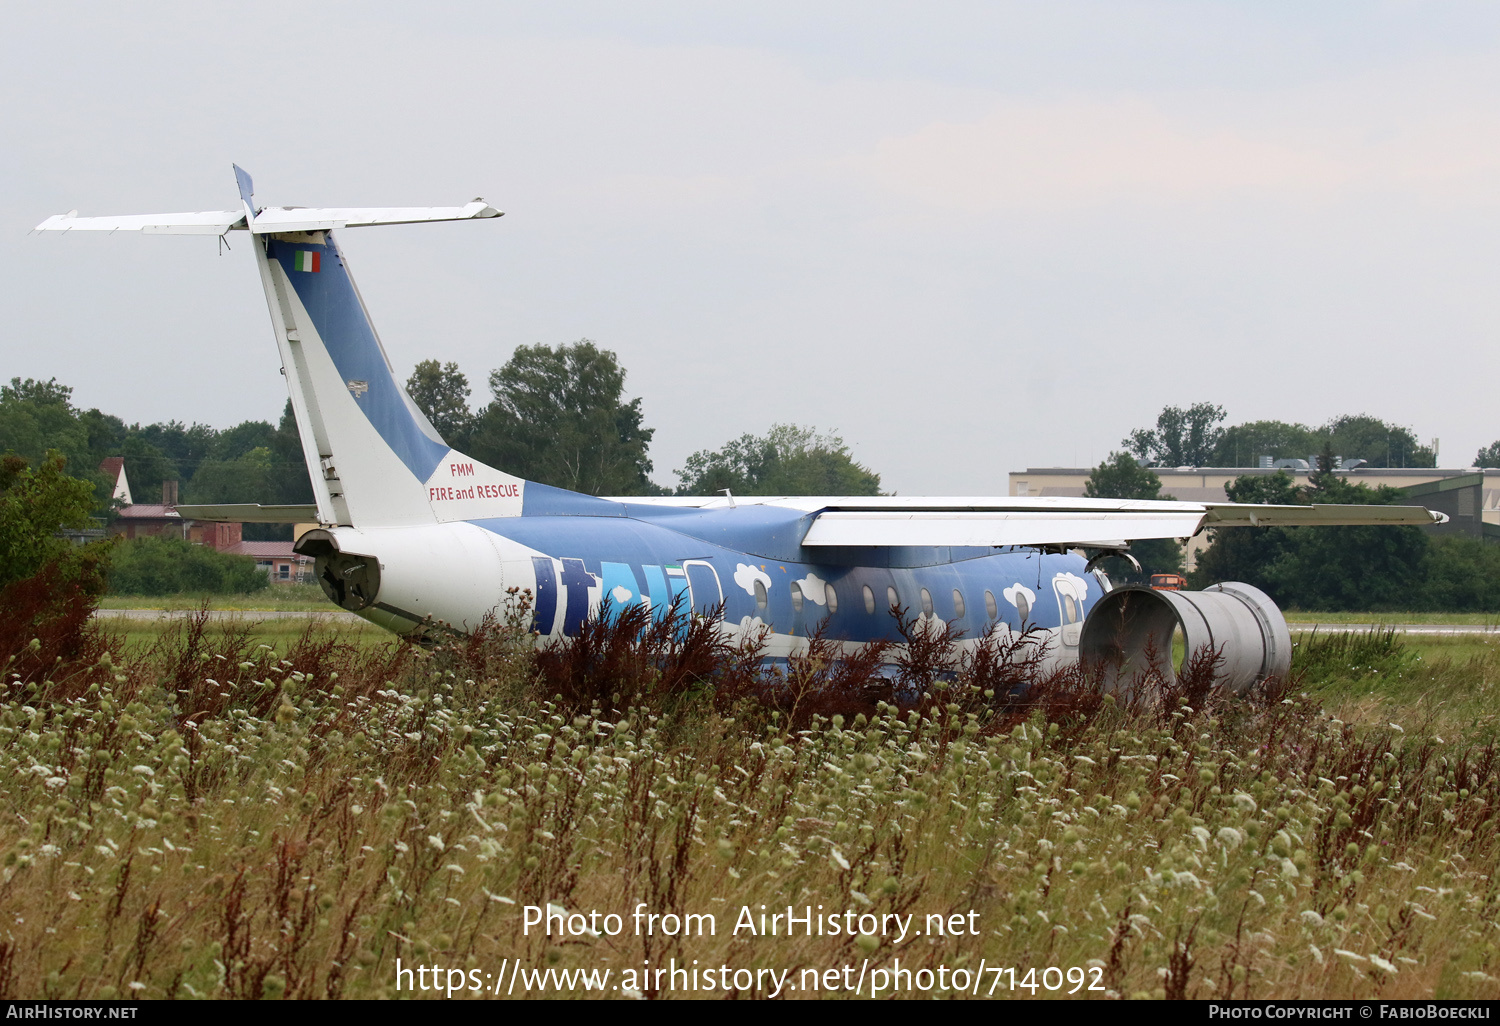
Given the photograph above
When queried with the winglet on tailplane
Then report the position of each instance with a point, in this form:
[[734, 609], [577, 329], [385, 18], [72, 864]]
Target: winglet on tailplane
[[374, 458]]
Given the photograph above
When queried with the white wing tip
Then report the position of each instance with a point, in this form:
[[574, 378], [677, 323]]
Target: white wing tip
[[484, 209]]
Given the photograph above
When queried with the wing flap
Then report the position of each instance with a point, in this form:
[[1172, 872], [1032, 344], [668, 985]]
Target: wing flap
[[1237, 514]]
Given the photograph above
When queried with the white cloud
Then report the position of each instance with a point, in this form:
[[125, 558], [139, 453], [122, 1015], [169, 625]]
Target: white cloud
[[814, 589], [1017, 593], [746, 576], [1073, 585]]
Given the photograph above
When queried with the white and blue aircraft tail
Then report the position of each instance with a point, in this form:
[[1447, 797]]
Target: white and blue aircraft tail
[[411, 530]]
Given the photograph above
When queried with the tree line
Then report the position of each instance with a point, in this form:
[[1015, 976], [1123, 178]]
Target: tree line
[[250, 462], [557, 415], [1196, 437]]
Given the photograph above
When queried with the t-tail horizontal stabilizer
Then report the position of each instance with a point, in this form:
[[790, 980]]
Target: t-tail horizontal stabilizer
[[374, 458]]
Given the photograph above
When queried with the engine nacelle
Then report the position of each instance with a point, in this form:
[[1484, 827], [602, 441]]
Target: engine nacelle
[[1237, 621]]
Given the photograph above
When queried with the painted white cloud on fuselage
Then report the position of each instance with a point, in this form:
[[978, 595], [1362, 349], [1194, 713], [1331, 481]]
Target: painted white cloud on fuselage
[[746, 576], [1072, 584], [1022, 597], [814, 589]]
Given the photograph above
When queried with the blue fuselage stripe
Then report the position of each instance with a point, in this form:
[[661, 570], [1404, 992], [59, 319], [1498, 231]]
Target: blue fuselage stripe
[[626, 558]]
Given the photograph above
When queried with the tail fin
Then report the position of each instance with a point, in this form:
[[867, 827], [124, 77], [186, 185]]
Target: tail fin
[[375, 459]]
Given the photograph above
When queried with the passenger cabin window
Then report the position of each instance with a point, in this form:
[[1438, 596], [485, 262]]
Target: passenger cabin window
[[958, 604], [1023, 608], [892, 599], [869, 601], [926, 602], [796, 597], [990, 609], [760, 597], [832, 598]]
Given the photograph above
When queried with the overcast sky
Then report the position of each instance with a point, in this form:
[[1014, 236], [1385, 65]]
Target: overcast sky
[[970, 237]]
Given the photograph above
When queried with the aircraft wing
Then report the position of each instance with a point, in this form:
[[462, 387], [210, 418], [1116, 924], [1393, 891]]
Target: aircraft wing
[[201, 222], [268, 221], [1037, 520], [311, 219]]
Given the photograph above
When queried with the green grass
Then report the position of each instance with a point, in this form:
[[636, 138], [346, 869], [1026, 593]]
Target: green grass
[[278, 598], [1465, 619], [1441, 686], [138, 636]]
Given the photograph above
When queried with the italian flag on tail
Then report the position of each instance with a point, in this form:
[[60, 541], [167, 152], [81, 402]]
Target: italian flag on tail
[[308, 260]]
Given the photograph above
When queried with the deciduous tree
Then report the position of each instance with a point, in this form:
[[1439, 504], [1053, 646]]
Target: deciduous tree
[[35, 504], [560, 417], [1243, 445], [442, 392], [1181, 437], [1378, 443], [786, 460]]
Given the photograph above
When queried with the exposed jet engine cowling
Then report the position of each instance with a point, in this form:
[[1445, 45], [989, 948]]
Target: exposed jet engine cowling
[[1240, 622]]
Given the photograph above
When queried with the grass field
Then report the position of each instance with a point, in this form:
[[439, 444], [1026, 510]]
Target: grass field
[[1466, 619], [278, 597], [136, 637], [216, 812]]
